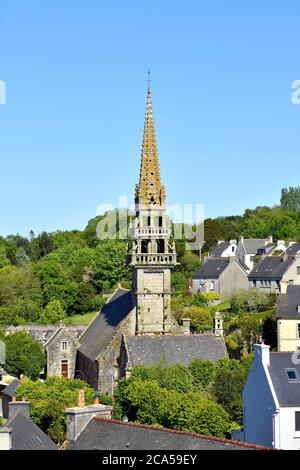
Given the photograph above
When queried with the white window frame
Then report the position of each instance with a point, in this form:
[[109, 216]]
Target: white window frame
[[62, 347]]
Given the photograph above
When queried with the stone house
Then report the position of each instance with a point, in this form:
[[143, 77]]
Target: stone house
[[61, 351], [220, 275]]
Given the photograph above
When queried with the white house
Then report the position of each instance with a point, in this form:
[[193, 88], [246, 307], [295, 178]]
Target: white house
[[272, 400], [224, 249], [249, 248]]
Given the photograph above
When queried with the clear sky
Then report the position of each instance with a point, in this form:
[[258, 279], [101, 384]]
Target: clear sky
[[75, 72]]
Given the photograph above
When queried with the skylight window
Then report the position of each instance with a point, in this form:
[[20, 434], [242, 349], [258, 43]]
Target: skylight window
[[292, 374]]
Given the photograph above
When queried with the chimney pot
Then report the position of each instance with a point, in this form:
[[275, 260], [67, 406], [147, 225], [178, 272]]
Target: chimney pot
[[13, 399]]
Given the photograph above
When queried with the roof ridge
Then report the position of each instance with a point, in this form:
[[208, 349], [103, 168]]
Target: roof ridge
[[184, 433]]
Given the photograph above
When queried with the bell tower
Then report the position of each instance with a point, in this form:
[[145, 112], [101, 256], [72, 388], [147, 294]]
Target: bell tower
[[153, 255]]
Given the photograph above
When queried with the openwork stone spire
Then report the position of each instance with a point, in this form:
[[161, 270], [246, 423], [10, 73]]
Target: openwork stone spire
[[149, 192]]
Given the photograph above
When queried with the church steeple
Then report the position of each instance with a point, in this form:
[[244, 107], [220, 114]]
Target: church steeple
[[153, 253], [149, 191]]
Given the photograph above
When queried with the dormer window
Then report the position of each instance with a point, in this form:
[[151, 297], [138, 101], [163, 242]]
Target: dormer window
[[292, 374]]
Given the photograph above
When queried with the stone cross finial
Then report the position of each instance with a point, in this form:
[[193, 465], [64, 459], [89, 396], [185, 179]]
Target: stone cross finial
[[81, 398]]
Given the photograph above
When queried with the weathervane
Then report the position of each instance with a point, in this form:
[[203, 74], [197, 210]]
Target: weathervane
[[149, 80]]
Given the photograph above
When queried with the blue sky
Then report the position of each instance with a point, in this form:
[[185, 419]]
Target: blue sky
[[71, 130]]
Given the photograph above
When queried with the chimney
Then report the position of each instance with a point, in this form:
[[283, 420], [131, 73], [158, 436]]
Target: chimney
[[186, 326], [262, 353], [23, 406], [79, 417], [5, 438], [270, 239]]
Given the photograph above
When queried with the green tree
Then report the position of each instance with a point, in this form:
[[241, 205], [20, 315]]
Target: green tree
[[213, 232], [203, 373], [290, 199], [22, 259], [20, 295], [55, 282], [24, 355], [229, 382], [201, 318], [110, 263], [53, 313], [49, 399], [4, 261]]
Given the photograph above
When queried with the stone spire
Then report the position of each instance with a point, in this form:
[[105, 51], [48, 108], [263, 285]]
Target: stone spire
[[149, 192]]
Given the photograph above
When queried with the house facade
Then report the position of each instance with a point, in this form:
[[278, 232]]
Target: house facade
[[248, 249], [288, 319], [271, 400], [220, 275], [274, 274], [224, 249]]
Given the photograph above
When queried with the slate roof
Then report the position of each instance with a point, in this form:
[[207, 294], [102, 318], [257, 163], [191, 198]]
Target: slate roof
[[251, 245], [26, 435], [287, 391], [212, 268], [288, 303], [174, 349], [10, 390], [271, 267], [104, 434], [266, 249], [293, 249], [219, 249], [101, 330]]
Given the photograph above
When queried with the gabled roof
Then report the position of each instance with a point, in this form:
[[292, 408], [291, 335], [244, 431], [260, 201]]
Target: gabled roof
[[293, 249], [212, 268], [272, 267], [10, 390], [101, 330], [103, 434], [219, 249], [28, 436], [287, 391], [251, 245], [288, 303], [174, 349]]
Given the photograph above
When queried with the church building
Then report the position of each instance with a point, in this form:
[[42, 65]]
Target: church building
[[136, 327]]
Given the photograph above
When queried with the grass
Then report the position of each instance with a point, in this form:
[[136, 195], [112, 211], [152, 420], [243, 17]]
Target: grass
[[78, 319], [222, 306]]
